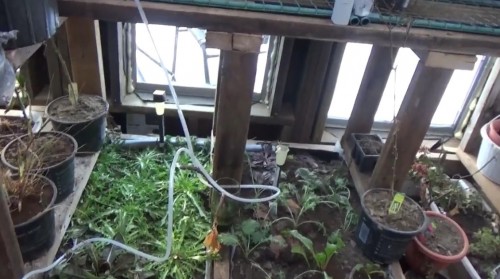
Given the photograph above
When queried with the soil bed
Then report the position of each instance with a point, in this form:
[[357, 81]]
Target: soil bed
[[87, 108], [408, 218], [13, 125], [445, 238], [34, 202], [280, 262]]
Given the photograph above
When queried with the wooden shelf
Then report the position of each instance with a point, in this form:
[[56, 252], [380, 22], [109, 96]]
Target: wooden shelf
[[360, 179], [65, 210], [18, 56], [489, 189]]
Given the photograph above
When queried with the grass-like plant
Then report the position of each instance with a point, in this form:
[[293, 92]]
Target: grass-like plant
[[127, 196]]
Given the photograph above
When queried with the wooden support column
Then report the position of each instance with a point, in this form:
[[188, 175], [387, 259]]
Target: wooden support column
[[84, 44], [310, 88], [370, 91], [238, 66], [12, 266], [412, 122], [57, 77], [329, 83], [115, 73], [487, 107]]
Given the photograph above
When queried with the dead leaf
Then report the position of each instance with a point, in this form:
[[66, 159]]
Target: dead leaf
[[277, 244], [294, 207], [211, 242], [261, 212], [454, 211]]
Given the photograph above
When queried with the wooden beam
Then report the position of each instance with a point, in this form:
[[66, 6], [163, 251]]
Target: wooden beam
[[450, 61], [114, 57], [370, 91], [237, 21], [330, 81], [279, 83], [310, 88], [412, 122], [10, 255], [84, 44], [235, 88], [487, 107]]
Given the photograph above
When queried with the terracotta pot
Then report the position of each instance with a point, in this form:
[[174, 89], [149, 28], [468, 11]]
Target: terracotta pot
[[494, 131], [421, 259]]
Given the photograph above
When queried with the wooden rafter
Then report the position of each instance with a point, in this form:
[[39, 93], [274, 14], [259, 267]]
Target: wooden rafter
[[235, 21]]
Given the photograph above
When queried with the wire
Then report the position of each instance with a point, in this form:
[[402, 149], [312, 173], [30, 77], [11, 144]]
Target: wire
[[173, 167]]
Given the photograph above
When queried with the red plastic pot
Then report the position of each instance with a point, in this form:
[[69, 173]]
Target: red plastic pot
[[494, 131], [421, 259]]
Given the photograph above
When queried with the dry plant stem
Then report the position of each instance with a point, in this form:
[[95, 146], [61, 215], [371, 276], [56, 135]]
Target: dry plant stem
[[73, 95]]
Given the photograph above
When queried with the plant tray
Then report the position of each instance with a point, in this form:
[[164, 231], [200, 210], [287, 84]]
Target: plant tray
[[364, 160]]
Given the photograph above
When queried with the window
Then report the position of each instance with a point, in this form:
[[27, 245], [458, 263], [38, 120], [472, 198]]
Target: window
[[456, 95], [192, 67]]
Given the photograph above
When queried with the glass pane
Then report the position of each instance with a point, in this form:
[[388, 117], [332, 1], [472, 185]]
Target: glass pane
[[351, 73], [194, 65]]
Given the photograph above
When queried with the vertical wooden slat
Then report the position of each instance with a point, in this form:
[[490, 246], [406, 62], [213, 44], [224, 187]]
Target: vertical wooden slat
[[487, 107], [412, 122], [234, 101], [11, 262], [328, 89], [114, 58], [310, 89], [279, 83], [370, 91], [84, 44]]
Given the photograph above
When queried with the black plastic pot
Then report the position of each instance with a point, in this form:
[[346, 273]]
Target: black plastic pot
[[62, 173], [36, 20], [365, 162], [380, 243], [89, 134], [36, 235]]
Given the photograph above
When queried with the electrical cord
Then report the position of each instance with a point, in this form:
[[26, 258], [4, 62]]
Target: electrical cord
[[173, 167]]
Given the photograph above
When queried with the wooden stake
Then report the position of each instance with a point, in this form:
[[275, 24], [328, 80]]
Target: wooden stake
[[11, 261], [412, 122]]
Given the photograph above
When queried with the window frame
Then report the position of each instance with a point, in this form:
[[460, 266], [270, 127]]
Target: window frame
[[436, 129], [207, 92]]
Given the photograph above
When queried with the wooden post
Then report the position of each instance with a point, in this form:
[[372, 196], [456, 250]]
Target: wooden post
[[114, 56], [412, 122], [11, 261], [370, 91], [84, 44], [487, 107]]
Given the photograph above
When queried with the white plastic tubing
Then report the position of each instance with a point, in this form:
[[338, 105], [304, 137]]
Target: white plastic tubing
[[196, 163]]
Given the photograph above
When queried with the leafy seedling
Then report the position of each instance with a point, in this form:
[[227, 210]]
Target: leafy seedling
[[248, 236], [370, 269], [305, 248]]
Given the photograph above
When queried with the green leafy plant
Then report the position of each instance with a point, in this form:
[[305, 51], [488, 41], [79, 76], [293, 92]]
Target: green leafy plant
[[486, 245], [370, 269], [249, 235], [305, 248]]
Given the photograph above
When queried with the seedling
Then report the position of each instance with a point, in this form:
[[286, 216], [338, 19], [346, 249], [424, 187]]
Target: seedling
[[486, 244], [248, 236], [305, 248], [370, 269]]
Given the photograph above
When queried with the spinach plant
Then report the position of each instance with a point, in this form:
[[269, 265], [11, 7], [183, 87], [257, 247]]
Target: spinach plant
[[370, 269], [249, 235], [305, 248]]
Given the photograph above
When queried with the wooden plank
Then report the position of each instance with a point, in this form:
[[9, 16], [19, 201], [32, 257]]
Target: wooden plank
[[490, 190], [370, 91], [234, 91], [114, 56], [84, 44], [220, 40], [222, 267], [412, 122], [279, 83], [65, 210], [235, 21], [327, 92], [247, 42], [308, 99], [487, 108], [360, 179], [18, 56], [450, 61], [10, 254]]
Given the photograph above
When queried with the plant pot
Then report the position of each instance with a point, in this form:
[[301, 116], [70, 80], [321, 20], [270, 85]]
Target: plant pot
[[86, 121], [366, 151], [36, 20], [379, 241], [423, 260], [35, 234], [494, 131], [61, 168]]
